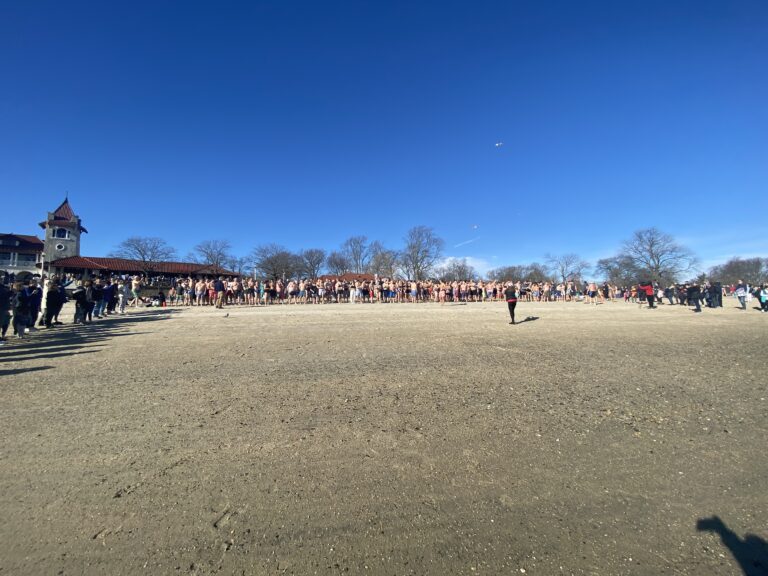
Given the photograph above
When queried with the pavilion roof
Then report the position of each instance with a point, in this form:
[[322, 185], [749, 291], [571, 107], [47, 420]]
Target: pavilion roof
[[126, 265]]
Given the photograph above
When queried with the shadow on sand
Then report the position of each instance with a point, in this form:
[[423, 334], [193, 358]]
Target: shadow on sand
[[71, 339], [14, 371], [751, 552]]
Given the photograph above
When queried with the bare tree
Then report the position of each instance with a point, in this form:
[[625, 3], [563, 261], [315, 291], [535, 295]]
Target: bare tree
[[507, 273], [214, 252], [422, 250], [383, 260], [338, 263], [149, 251], [312, 261], [752, 270], [533, 272], [274, 261], [618, 270], [240, 265], [657, 255], [455, 269], [566, 266], [358, 252]]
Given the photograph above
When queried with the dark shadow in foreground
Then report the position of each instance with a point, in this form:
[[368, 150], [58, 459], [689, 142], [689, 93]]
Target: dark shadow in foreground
[[69, 339], [528, 319], [22, 370], [751, 552]]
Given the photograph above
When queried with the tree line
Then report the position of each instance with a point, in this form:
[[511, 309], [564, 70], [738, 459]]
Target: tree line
[[648, 255]]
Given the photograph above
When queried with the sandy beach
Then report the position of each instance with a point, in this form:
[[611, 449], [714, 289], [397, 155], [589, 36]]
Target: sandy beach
[[387, 439]]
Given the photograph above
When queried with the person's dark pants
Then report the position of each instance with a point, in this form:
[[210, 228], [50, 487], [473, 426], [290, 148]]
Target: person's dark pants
[[650, 300], [19, 324], [5, 322], [511, 306], [57, 311], [697, 302], [50, 312], [80, 310], [89, 306], [670, 300]]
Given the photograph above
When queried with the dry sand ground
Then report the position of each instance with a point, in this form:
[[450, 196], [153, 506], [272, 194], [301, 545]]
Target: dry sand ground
[[387, 439]]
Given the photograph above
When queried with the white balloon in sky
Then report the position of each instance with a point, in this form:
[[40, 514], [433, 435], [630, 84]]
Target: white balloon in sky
[[499, 144]]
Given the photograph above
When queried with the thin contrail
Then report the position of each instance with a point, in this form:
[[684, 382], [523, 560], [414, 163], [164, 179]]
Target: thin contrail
[[467, 242]]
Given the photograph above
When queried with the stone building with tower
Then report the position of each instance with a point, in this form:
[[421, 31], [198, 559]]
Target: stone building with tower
[[23, 256], [63, 229]]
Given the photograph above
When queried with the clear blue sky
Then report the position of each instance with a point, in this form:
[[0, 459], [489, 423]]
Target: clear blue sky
[[303, 123]]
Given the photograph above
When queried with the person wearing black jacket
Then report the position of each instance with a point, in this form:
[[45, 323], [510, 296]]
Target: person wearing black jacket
[[717, 290], [106, 298], [510, 295], [81, 304], [5, 310], [669, 293], [34, 294], [113, 296], [97, 290], [21, 308], [693, 293], [90, 302], [53, 303], [63, 299]]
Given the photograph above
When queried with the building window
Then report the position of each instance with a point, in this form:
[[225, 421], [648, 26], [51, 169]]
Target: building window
[[60, 233], [24, 259], [59, 246]]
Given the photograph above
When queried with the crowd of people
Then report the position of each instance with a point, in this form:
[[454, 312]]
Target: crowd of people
[[208, 292], [21, 304], [28, 305]]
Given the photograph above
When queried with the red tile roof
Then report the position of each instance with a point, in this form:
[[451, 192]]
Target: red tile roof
[[124, 265], [64, 212], [24, 238], [63, 215]]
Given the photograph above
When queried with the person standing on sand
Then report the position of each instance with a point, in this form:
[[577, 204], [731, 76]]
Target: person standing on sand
[[650, 293], [741, 294], [510, 295], [81, 304], [90, 303], [5, 310], [135, 290], [53, 303], [762, 295], [218, 287], [21, 308], [694, 292]]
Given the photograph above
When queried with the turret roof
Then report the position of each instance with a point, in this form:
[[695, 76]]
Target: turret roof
[[64, 212], [63, 215]]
